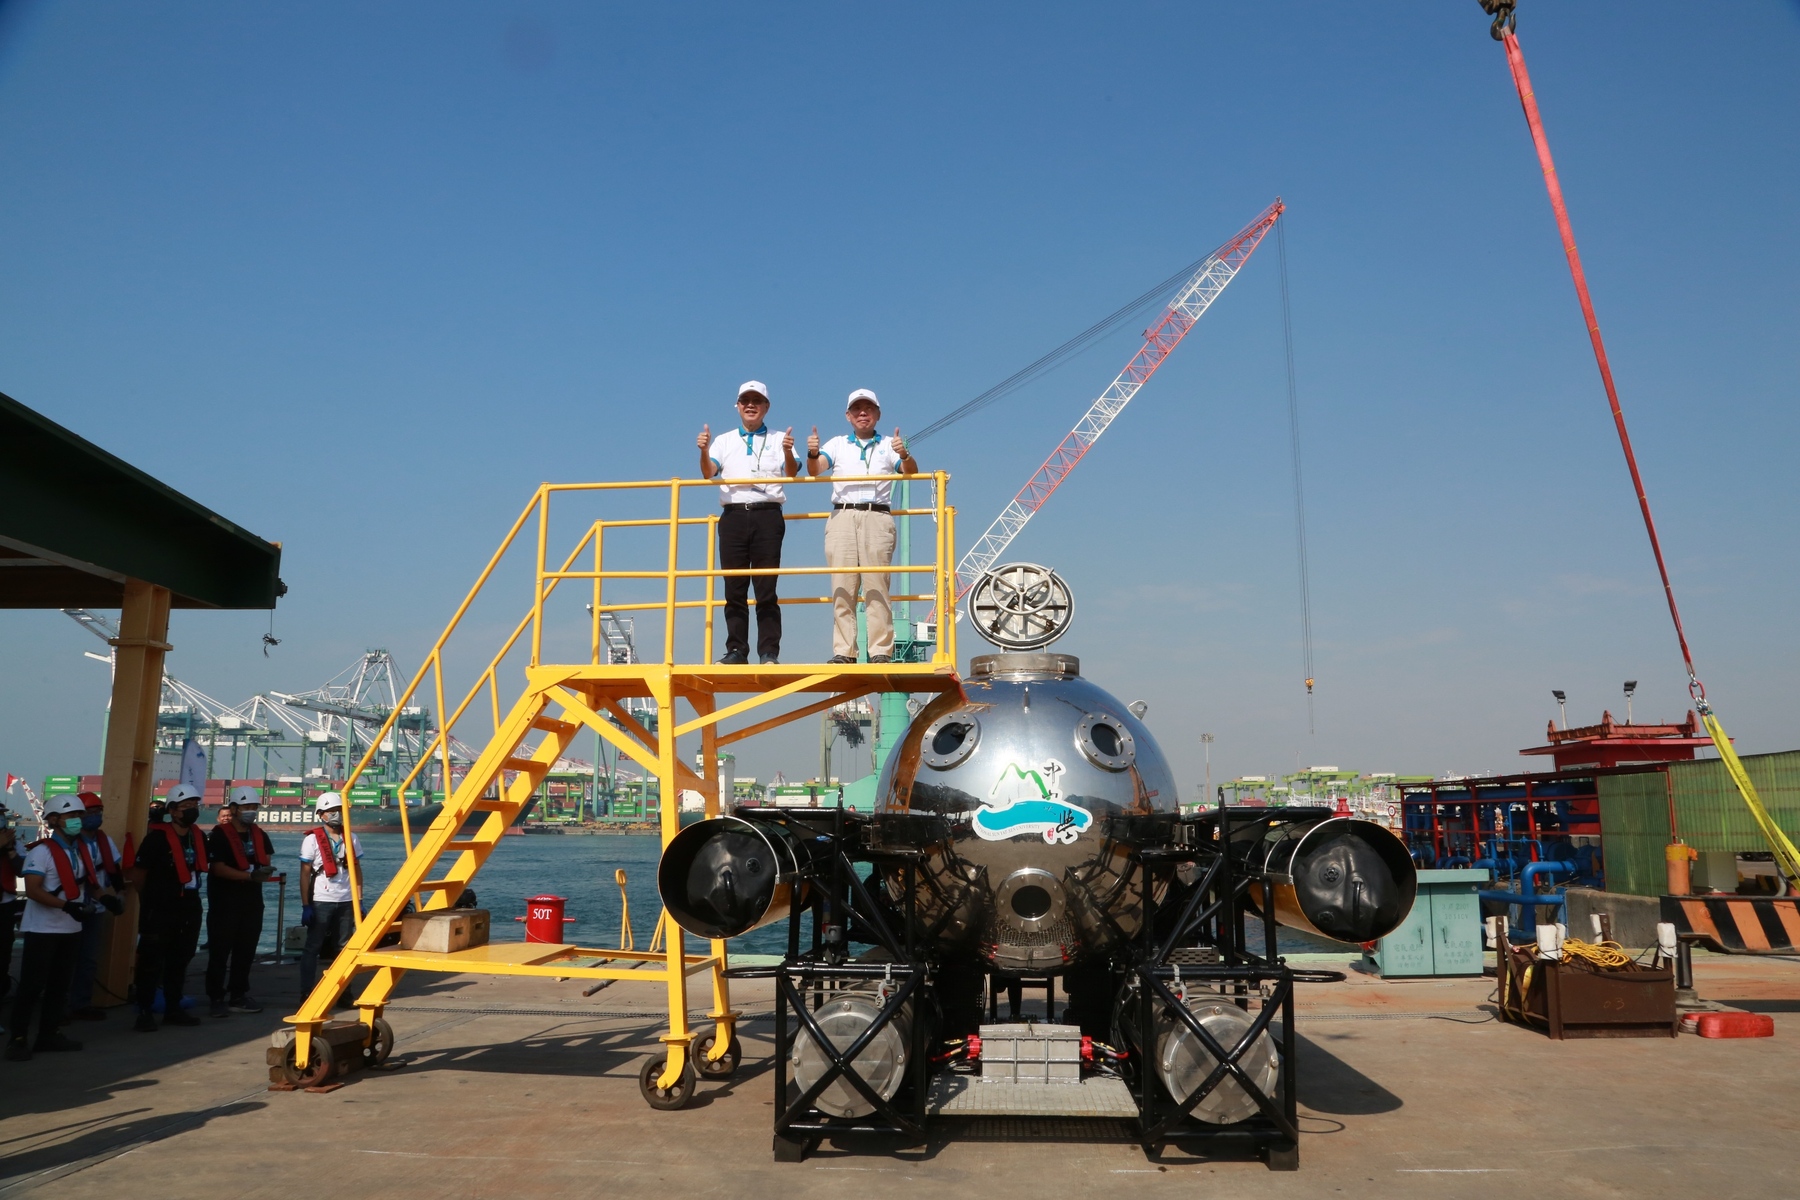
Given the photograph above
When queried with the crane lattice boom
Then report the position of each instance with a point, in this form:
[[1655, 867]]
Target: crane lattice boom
[[1183, 311]]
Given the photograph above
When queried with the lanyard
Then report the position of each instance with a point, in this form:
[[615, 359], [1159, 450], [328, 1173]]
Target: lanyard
[[750, 446], [865, 449]]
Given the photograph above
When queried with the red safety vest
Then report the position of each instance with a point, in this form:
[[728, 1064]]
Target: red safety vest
[[130, 852], [236, 844], [65, 870], [106, 857], [326, 858], [181, 868]]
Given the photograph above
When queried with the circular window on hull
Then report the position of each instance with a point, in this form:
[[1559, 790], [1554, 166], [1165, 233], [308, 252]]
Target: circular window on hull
[[950, 740], [1106, 742]]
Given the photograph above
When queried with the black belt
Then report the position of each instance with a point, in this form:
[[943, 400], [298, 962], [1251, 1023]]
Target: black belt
[[862, 507], [759, 506]]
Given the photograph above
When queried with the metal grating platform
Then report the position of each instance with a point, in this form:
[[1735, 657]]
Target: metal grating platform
[[966, 1096]]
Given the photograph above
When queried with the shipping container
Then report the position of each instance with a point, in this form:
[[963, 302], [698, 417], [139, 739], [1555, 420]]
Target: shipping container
[[1710, 815]]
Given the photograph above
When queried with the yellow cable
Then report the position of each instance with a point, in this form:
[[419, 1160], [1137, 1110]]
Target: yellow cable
[[1607, 956], [1787, 857]]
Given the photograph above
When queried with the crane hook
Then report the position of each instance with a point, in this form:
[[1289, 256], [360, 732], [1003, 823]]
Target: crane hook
[[1505, 20]]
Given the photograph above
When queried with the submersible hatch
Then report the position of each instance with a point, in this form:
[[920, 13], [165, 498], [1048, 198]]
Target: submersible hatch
[[1028, 830]]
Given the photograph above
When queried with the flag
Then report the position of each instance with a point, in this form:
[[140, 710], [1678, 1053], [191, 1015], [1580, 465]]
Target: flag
[[193, 765]]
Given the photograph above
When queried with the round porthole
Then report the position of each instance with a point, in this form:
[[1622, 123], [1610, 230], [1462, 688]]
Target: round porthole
[[1106, 742], [950, 740]]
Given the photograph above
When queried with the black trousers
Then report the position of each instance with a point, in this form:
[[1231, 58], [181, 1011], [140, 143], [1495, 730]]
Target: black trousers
[[233, 928], [333, 923], [751, 539], [45, 969], [168, 934]]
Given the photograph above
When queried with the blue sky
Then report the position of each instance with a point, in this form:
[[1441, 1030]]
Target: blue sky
[[360, 277]]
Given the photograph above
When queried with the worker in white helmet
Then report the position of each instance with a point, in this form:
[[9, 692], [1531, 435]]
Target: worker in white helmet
[[108, 881], [167, 871], [57, 878], [325, 900], [242, 860], [859, 534]]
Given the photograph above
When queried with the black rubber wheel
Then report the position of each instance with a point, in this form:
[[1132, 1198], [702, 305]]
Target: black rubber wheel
[[316, 1072], [791, 1150], [672, 1098], [726, 1066], [1284, 1158], [381, 1044]]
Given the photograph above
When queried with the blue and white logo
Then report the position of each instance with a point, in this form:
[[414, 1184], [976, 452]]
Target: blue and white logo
[[1030, 802]]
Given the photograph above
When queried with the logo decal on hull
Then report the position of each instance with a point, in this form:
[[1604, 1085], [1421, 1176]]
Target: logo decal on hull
[[1030, 802]]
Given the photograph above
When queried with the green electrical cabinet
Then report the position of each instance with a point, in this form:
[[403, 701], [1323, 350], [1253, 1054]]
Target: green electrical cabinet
[[1442, 934]]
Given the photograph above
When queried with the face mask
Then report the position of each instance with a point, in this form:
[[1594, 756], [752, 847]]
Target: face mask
[[334, 819], [71, 825], [92, 819], [247, 815], [186, 814]]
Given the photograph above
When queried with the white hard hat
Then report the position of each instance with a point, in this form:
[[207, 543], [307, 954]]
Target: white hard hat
[[752, 385], [862, 394], [328, 801], [180, 792], [246, 797], [66, 805]]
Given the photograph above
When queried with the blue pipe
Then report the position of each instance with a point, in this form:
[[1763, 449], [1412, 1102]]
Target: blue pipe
[[1527, 898]]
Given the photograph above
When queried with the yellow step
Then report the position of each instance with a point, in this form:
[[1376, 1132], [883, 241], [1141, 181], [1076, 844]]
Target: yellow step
[[562, 729], [529, 766]]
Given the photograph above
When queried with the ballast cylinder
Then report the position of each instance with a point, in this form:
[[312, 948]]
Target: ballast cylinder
[[1341, 878], [725, 876]]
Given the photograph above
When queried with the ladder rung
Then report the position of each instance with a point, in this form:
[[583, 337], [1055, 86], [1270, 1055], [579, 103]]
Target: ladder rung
[[567, 729], [439, 885], [494, 804], [459, 847], [529, 765]]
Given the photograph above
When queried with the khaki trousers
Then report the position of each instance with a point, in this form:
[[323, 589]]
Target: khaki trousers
[[856, 538]]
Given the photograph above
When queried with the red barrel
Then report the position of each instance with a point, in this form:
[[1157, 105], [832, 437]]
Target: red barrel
[[544, 919]]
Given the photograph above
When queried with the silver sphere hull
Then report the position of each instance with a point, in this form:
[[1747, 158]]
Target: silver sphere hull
[[1028, 766]]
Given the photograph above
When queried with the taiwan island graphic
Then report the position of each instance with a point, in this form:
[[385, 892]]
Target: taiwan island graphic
[[1030, 802]]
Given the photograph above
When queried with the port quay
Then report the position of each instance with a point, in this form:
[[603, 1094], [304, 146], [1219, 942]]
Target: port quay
[[539, 662]]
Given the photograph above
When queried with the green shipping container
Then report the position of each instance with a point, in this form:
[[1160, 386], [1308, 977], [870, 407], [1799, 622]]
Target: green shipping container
[[1710, 815]]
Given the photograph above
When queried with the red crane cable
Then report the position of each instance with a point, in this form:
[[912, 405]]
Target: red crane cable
[[1515, 59]]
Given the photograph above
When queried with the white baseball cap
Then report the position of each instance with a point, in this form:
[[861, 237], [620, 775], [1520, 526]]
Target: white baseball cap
[[862, 394], [752, 385]]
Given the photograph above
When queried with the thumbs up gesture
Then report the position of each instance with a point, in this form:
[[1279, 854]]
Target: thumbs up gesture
[[812, 442], [787, 438], [899, 443], [704, 441]]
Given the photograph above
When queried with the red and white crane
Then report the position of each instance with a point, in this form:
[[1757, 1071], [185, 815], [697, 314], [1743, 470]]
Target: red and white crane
[[1219, 268]]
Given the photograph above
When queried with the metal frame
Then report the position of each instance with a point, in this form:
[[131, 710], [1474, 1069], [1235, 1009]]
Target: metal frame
[[560, 700], [843, 902], [1213, 915]]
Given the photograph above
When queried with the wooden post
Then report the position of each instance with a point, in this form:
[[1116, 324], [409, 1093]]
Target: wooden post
[[131, 756]]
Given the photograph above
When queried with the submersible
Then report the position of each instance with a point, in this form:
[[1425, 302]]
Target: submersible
[[1028, 829]]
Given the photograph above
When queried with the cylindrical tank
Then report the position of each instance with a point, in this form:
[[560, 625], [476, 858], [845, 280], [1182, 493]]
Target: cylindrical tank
[[726, 876], [1338, 877], [1183, 1062], [882, 1064], [1028, 766]]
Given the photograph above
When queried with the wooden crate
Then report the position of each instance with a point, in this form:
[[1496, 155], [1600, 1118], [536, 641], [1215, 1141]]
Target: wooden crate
[[1570, 999]]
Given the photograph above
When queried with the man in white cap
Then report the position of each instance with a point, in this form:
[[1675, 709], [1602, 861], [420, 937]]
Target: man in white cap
[[859, 534], [325, 907], [751, 527]]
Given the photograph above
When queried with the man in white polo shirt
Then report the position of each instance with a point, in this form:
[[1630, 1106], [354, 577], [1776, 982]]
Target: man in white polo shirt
[[751, 527], [859, 534]]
